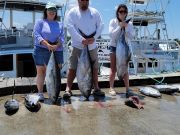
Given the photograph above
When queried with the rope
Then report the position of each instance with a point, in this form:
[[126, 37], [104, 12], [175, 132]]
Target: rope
[[155, 73]]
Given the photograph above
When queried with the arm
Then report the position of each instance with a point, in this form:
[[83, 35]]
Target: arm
[[71, 28], [99, 28], [60, 40], [99, 25], [37, 31], [114, 30], [37, 34]]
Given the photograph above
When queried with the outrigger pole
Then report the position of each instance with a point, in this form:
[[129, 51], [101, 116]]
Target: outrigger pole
[[1, 19]]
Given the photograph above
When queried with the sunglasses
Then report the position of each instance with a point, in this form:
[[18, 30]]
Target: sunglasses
[[84, 0], [122, 11]]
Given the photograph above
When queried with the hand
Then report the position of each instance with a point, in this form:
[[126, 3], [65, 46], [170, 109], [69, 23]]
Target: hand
[[50, 47], [123, 24], [91, 40], [85, 42], [55, 47]]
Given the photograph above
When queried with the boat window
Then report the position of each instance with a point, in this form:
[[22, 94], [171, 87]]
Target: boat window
[[141, 65], [154, 64], [6, 63], [20, 23], [38, 16], [149, 64], [25, 65], [131, 65]]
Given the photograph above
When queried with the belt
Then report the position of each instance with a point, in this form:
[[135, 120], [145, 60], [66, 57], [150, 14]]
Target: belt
[[53, 43], [87, 36]]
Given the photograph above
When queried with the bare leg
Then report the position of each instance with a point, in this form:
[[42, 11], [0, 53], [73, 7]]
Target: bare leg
[[95, 78], [112, 70], [60, 66], [70, 79], [126, 81], [97, 90], [41, 73]]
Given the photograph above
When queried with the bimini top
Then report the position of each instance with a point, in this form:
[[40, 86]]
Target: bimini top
[[26, 5], [146, 17]]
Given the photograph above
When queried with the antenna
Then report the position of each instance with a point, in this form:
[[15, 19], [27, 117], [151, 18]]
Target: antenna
[[1, 19], [65, 7], [13, 90]]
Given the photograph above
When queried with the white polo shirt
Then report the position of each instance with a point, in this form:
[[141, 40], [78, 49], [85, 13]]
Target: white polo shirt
[[88, 22]]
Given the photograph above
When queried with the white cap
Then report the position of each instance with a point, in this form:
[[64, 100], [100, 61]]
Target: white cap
[[50, 5]]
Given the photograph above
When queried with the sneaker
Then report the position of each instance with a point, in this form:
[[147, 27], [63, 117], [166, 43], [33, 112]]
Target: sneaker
[[98, 92], [112, 92], [67, 95], [41, 96]]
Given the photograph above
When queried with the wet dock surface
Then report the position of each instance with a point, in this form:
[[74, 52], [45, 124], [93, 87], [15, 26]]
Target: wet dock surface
[[99, 116]]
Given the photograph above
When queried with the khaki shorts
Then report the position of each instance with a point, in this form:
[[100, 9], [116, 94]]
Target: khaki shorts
[[73, 59]]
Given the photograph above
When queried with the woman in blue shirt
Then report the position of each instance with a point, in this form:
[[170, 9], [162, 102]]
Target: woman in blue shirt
[[49, 36]]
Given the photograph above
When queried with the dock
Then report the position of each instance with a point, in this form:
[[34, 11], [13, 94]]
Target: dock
[[102, 116], [98, 116], [28, 84]]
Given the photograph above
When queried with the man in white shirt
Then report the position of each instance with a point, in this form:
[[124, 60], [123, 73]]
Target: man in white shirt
[[84, 24]]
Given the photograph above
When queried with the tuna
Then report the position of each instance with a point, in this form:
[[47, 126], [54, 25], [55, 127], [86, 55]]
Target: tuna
[[166, 89], [84, 73], [149, 91], [32, 102], [177, 86], [53, 79], [123, 56], [11, 106]]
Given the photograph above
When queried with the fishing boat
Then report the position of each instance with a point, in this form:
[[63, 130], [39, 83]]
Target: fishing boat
[[16, 41], [152, 51]]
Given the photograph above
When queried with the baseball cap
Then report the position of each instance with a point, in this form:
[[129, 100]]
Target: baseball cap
[[51, 5]]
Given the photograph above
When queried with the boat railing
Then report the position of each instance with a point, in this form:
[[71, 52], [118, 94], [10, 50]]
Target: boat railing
[[164, 52], [13, 38], [169, 48], [168, 44]]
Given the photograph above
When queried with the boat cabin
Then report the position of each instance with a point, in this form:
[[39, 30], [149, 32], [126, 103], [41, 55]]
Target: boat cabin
[[16, 42]]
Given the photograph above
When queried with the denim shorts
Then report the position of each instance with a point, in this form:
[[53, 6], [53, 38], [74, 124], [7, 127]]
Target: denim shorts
[[112, 49], [41, 56], [73, 59]]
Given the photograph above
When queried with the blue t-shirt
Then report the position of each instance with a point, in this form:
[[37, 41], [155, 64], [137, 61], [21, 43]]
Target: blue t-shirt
[[48, 30]]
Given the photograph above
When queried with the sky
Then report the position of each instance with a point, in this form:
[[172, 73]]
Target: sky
[[107, 10], [172, 10]]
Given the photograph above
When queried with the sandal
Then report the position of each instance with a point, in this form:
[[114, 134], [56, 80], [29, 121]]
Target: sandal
[[112, 92], [98, 92], [67, 94]]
